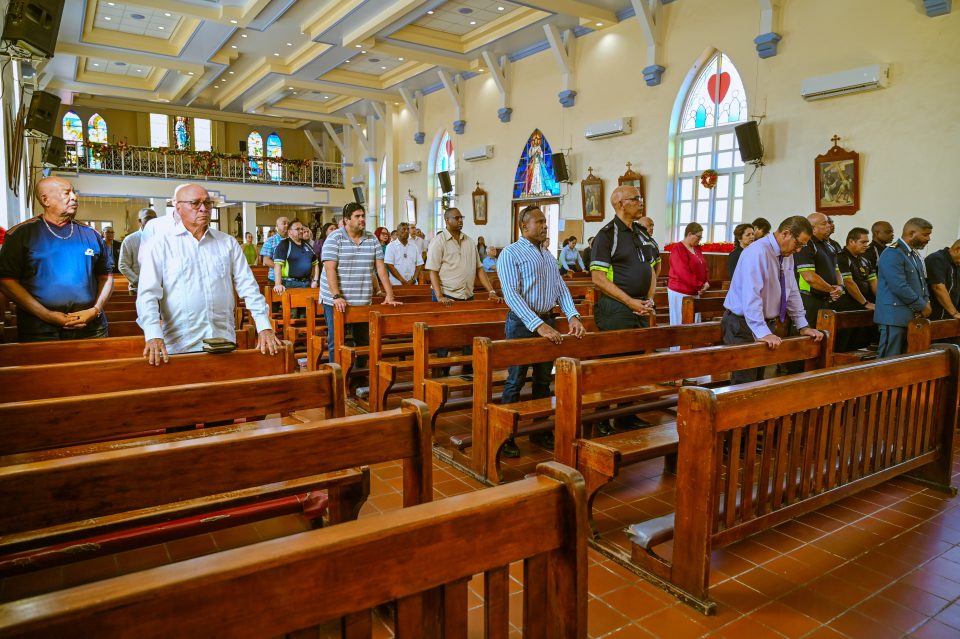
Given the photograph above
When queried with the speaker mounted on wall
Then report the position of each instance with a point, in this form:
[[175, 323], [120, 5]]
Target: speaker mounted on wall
[[358, 194], [243, 146], [54, 151], [748, 138], [31, 28], [446, 185], [42, 116], [560, 168]]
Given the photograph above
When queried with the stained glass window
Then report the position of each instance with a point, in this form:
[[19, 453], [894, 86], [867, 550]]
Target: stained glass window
[[202, 138], [705, 139], [274, 150], [535, 176], [73, 132], [181, 133], [445, 160], [97, 129], [255, 152]]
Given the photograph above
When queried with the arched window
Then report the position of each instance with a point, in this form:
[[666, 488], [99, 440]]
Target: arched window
[[535, 175], [255, 152], [73, 132], [181, 133], [445, 160], [97, 129], [274, 150], [714, 105], [382, 211]]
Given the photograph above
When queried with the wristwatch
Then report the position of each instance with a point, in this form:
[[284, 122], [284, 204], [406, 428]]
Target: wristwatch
[[338, 296]]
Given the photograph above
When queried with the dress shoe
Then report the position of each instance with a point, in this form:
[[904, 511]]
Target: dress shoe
[[510, 449], [544, 440], [605, 428]]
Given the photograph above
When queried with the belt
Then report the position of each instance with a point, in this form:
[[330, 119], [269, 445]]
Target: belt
[[823, 297], [767, 320], [298, 279]]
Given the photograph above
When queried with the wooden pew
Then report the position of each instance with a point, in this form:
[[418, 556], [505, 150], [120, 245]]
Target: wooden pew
[[709, 307], [54, 428], [383, 373], [600, 459], [342, 573], [921, 333], [114, 329], [754, 456], [21, 383], [294, 298], [832, 322], [125, 486], [494, 424], [91, 349]]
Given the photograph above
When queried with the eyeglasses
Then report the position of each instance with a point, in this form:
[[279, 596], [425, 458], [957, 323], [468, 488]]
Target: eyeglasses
[[195, 204], [635, 198], [800, 245]]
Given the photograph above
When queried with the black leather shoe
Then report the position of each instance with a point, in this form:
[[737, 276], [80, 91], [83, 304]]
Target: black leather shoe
[[510, 449], [605, 428], [544, 440]]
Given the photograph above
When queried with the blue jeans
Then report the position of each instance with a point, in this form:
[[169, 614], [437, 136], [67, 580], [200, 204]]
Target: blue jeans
[[289, 282], [443, 352], [96, 329], [361, 335], [516, 375]]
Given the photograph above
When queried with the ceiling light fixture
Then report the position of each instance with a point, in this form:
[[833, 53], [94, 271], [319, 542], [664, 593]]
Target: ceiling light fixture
[[383, 67], [472, 22], [289, 88], [325, 97], [357, 46], [243, 35], [347, 62], [276, 55], [429, 13], [96, 64], [500, 9], [190, 73], [107, 18], [362, 51], [233, 22], [599, 24], [230, 72], [161, 28], [400, 59], [289, 44], [167, 15], [216, 86], [111, 3], [233, 46]]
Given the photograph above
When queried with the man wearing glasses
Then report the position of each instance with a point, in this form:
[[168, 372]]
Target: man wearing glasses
[[764, 291], [187, 281]]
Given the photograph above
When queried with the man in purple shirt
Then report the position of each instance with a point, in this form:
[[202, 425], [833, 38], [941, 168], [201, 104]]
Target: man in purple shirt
[[764, 290]]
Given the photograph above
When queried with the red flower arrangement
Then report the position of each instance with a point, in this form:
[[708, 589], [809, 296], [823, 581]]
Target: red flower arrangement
[[708, 179], [708, 247]]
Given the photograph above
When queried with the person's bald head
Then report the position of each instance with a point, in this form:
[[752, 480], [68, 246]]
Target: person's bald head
[[882, 232], [647, 223], [145, 215], [57, 197], [283, 224], [820, 224], [627, 203], [916, 232]]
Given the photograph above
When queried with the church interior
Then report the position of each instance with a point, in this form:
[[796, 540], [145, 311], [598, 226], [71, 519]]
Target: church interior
[[818, 504]]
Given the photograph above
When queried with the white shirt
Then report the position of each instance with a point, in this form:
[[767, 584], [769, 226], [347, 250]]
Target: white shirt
[[405, 258], [189, 286], [158, 226], [129, 262]]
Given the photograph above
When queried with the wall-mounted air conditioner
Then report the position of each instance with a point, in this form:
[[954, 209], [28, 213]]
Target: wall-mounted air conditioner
[[357, 179], [409, 167], [481, 153], [875, 76], [609, 129]]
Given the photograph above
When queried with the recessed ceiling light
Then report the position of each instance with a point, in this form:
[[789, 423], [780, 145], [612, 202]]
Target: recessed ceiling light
[[481, 70], [326, 97], [599, 24], [167, 15], [190, 73], [243, 35], [383, 67], [289, 44], [216, 86], [429, 13], [294, 93], [111, 3], [96, 64], [357, 46], [230, 72], [473, 22], [400, 59], [276, 55], [289, 88], [233, 22], [161, 28], [362, 51], [233, 46], [107, 18], [500, 9]]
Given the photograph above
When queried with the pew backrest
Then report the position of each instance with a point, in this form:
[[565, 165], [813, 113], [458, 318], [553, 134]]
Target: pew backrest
[[922, 332], [832, 322]]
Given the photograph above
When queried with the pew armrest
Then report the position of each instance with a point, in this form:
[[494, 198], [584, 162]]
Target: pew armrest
[[652, 532]]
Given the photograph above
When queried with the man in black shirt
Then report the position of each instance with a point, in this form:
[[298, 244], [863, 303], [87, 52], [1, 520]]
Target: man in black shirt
[[620, 267], [882, 236], [650, 247], [943, 278], [860, 281], [816, 266]]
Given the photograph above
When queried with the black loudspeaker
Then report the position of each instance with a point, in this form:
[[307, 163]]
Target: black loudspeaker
[[243, 146], [54, 151], [560, 168], [446, 185], [358, 194], [748, 137], [32, 26], [42, 116]]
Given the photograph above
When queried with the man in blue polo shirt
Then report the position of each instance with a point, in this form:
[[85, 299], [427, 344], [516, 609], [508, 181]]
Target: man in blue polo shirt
[[56, 270]]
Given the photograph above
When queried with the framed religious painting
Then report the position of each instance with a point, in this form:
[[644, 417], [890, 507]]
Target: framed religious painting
[[591, 190], [410, 209], [837, 180], [632, 178], [479, 205]]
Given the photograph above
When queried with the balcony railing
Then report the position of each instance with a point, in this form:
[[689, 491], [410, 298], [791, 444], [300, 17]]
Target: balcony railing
[[147, 162]]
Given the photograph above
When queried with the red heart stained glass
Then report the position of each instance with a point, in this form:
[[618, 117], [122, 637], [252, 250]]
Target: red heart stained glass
[[718, 93]]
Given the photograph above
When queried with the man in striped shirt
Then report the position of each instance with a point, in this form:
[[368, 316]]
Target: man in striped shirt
[[532, 286]]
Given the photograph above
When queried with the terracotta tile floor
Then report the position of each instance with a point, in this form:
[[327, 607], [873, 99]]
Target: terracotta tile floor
[[884, 563]]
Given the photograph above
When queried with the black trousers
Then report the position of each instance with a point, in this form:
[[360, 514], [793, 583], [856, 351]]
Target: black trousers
[[736, 331], [612, 315]]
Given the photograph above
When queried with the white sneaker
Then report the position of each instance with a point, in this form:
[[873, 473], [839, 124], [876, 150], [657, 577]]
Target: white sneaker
[[363, 392]]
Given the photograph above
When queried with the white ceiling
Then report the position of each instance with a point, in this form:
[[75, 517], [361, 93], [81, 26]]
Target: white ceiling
[[130, 18], [463, 16]]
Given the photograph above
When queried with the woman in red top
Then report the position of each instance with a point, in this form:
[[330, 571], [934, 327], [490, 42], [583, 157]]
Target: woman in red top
[[688, 270]]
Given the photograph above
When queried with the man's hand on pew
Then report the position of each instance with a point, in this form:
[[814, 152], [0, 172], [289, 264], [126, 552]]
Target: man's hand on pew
[[576, 328], [389, 300], [812, 332], [267, 342], [155, 352], [552, 334]]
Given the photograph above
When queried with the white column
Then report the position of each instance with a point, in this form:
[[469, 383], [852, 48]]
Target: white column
[[159, 205], [250, 219]]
